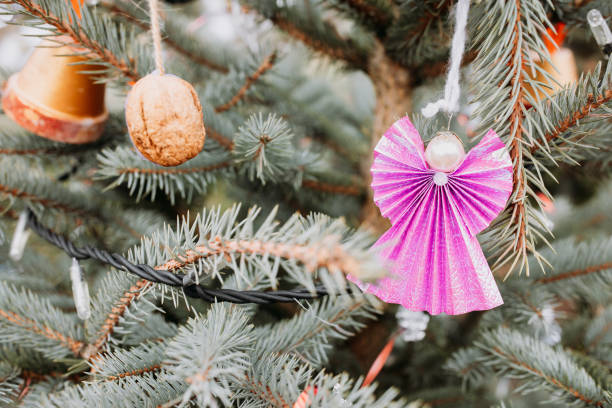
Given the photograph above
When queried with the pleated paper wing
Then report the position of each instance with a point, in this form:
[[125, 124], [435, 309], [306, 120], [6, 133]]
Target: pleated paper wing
[[436, 261]]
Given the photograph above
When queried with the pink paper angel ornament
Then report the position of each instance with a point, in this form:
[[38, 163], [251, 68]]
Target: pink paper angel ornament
[[437, 201]]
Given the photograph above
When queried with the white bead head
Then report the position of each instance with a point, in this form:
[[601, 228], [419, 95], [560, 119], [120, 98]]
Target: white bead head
[[444, 152]]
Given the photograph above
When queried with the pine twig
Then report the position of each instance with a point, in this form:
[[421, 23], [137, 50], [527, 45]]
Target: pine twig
[[198, 59], [265, 393], [175, 279], [225, 142], [317, 45], [140, 371], [428, 17], [116, 313], [265, 66], [330, 322], [597, 339], [174, 170], [371, 11], [28, 152], [74, 345], [516, 134], [14, 192], [573, 118], [79, 37], [549, 379], [332, 188], [575, 274], [312, 257]]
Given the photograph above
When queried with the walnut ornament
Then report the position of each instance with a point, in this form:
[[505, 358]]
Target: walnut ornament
[[164, 119]]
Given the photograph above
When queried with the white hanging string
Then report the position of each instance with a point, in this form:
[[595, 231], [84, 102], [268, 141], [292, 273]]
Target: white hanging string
[[450, 102], [20, 238]]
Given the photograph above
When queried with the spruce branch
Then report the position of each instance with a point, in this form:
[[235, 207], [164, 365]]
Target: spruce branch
[[33, 322], [265, 66], [174, 36], [378, 12], [264, 148], [273, 381], [503, 64], [62, 17], [321, 36], [598, 337], [116, 313], [310, 339], [467, 364], [150, 389], [10, 383], [121, 363], [137, 372], [16, 141], [538, 366], [419, 36], [573, 123], [579, 269], [332, 188], [32, 188], [143, 178], [592, 103], [598, 369], [222, 140], [306, 248], [170, 279], [334, 391], [516, 135], [209, 354], [576, 273]]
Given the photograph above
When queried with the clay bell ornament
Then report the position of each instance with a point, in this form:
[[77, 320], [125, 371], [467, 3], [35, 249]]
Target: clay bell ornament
[[52, 98], [562, 67], [164, 119]]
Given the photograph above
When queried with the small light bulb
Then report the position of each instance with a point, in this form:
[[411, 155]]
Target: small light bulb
[[80, 291], [20, 238], [600, 30]]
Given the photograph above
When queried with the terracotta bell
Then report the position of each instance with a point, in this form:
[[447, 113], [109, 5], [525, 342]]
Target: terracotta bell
[[562, 67], [53, 99]]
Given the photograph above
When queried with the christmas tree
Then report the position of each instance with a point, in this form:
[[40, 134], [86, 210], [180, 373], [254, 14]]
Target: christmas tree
[[222, 281]]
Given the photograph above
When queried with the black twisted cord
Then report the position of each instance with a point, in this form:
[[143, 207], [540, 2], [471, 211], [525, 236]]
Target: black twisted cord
[[169, 278]]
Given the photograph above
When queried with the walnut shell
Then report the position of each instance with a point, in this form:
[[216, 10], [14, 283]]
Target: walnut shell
[[164, 119]]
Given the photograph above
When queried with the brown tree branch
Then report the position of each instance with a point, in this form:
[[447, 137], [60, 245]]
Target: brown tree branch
[[575, 273], [322, 327], [225, 142], [371, 11], [140, 371], [265, 66], [332, 188], [173, 170], [73, 345], [328, 255], [198, 59], [44, 201], [116, 313], [549, 379], [79, 37], [572, 119], [516, 133], [265, 393], [317, 45]]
